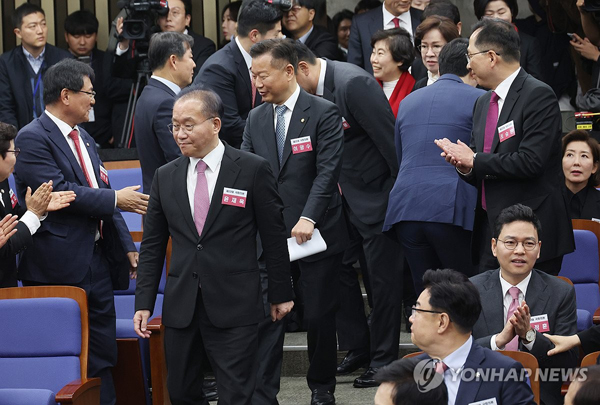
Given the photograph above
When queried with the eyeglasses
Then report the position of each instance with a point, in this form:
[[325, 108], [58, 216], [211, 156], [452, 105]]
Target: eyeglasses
[[92, 93], [434, 48], [294, 9], [415, 310], [470, 55], [187, 129], [512, 244], [16, 151]]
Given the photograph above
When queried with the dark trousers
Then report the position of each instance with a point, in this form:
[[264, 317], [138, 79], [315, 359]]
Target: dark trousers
[[433, 245], [233, 353], [102, 323], [384, 262]]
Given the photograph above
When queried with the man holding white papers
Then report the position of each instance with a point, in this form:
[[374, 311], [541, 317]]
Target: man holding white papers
[[301, 136]]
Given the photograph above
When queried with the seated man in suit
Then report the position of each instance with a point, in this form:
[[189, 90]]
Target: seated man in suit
[[520, 302], [442, 325], [170, 59], [212, 201], [22, 69], [298, 23]]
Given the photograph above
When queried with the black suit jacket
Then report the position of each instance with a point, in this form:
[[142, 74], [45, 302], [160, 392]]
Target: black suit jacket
[[363, 27], [16, 244], [547, 295], [531, 55], [370, 164], [227, 74], [307, 182], [323, 44], [202, 49], [223, 258], [154, 141], [591, 205], [16, 95], [590, 339], [525, 168]]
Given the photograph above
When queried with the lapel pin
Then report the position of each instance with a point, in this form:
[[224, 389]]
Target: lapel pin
[[302, 120], [2, 191], [88, 144]]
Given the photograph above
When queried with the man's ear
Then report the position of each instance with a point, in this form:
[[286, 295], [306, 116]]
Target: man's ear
[[311, 14], [303, 68]]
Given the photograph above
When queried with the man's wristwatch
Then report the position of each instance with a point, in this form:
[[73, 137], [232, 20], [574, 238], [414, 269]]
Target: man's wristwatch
[[529, 336]]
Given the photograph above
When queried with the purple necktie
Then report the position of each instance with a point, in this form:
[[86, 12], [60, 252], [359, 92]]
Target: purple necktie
[[490, 129], [440, 367], [201, 200], [514, 293]]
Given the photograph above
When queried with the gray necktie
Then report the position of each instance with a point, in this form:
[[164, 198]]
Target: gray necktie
[[280, 130]]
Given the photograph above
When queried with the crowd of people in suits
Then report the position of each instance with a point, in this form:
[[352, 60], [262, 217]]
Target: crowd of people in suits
[[406, 146]]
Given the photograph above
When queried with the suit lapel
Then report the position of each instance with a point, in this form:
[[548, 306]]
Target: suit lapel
[[467, 390], [86, 141], [509, 103], [492, 303], [227, 176], [537, 296], [243, 70], [300, 117], [181, 194], [329, 84], [267, 133]]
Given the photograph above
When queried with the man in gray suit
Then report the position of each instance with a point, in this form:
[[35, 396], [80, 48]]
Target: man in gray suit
[[521, 303]]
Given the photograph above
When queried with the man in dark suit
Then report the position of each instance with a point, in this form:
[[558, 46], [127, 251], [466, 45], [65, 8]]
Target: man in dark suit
[[442, 325], [170, 58], [22, 69], [209, 200], [514, 155], [227, 72], [520, 302], [301, 137], [298, 23], [91, 232], [369, 168], [392, 14]]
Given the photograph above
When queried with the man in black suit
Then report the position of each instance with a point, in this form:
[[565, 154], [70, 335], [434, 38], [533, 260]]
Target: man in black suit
[[227, 72], [392, 14], [514, 155], [108, 114], [301, 136], [22, 69], [369, 170], [170, 58], [211, 202], [298, 23]]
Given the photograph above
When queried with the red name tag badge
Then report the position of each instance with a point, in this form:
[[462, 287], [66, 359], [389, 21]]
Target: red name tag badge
[[232, 196], [540, 323], [13, 198], [506, 131], [104, 175], [345, 124], [301, 145]]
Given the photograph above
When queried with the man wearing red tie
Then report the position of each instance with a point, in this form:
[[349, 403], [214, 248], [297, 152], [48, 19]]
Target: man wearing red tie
[[514, 156], [87, 244]]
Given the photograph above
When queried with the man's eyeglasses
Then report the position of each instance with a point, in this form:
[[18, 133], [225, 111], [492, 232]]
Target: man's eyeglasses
[[415, 310], [188, 128], [512, 244], [92, 93], [470, 55], [16, 151]]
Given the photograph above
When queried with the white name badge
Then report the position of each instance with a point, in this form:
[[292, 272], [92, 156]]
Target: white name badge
[[301, 145], [235, 197], [491, 401], [506, 131], [540, 323]]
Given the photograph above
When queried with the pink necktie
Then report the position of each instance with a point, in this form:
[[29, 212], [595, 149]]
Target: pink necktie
[[514, 293], [74, 135], [440, 367], [201, 200], [396, 22], [490, 129]]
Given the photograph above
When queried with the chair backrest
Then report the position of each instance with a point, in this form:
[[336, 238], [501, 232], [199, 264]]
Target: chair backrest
[[590, 359], [592, 226], [582, 268], [529, 362], [43, 337], [120, 178]]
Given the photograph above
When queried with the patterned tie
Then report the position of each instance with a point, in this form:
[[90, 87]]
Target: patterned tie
[[514, 293], [74, 135], [280, 130], [440, 367], [396, 22], [201, 200], [490, 129]]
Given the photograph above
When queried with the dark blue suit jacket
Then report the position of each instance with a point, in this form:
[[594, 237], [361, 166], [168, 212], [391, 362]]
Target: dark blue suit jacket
[[489, 363], [63, 247], [154, 141], [427, 188], [16, 244]]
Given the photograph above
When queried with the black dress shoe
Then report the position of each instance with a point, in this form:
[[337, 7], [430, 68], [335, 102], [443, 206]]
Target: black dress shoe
[[354, 360], [322, 398], [367, 380]]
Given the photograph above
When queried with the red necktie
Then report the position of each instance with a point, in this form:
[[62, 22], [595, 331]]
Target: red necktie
[[74, 135], [396, 22], [490, 129], [514, 293]]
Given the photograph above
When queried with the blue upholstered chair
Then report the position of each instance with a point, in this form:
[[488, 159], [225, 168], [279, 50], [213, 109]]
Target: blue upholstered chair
[[120, 178]]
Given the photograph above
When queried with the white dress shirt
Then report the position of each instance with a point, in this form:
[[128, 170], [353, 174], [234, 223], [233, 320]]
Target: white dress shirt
[[174, 88], [321, 83], [456, 363], [405, 21], [502, 89], [36, 63], [213, 162], [304, 37]]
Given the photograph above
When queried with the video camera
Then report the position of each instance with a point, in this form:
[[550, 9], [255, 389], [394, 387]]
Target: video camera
[[141, 17]]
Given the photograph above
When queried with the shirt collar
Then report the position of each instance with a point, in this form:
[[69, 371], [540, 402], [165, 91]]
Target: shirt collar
[[63, 127], [290, 103], [175, 88], [456, 360], [388, 17], [431, 78], [30, 56], [246, 55], [304, 37], [212, 159], [502, 89], [522, 286], [321, 83]]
